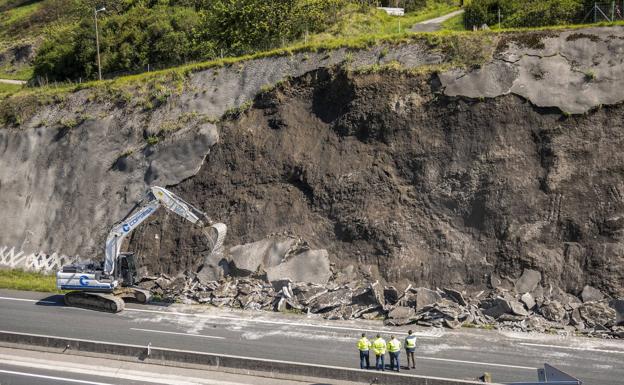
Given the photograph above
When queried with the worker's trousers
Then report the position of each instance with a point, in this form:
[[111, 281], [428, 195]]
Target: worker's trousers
[[378, 358], [394, 360], [410, 354], [364, 359]]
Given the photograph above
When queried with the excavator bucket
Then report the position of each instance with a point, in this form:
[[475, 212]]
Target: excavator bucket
[[216, 236]]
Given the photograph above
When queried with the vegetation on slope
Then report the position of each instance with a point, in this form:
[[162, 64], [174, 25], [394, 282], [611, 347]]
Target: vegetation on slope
[[139, 34], [526, 13]]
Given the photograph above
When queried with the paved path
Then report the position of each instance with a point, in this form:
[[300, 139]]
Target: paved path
[[432, 25], [11, 81], [458, 354]]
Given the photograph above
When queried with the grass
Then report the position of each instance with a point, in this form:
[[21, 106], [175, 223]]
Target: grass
[[23, 280], [23, 72], [455, 23], [17, 14], [8, 89], [354, 24]]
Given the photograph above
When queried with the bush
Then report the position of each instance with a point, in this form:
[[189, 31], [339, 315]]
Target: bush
[[169, 32], [159, 36], [242, 26], [523, 13]]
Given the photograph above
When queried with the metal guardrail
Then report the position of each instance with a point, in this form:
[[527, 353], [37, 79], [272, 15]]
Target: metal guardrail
[[551, 375]]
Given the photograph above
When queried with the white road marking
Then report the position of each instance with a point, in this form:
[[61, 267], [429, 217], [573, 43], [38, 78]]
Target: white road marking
[[476, 363], [287, 362], [181, 334], [299, 324], [573, 348], [53, 378], [238, 319], [28, 300]]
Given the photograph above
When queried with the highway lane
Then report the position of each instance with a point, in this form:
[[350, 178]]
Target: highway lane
[[26, 367], [463, 354]]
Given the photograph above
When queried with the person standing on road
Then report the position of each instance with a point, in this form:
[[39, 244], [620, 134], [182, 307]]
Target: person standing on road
[[363, 346], [410, 348], [394, 347], [379, 348]]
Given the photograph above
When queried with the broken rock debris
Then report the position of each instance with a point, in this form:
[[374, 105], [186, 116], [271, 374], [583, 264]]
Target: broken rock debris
[[450, 308]]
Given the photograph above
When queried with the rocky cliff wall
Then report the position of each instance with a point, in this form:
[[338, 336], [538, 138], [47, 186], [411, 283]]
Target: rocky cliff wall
[[430, 175]]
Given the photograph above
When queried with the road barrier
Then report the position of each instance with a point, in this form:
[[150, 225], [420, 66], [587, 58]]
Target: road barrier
[[226, 363]]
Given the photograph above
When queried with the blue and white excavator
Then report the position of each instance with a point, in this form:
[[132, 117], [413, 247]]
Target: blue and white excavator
[[103, 286]]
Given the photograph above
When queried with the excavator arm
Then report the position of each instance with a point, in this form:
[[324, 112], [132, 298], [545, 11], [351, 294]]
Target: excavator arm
[[156, 197]]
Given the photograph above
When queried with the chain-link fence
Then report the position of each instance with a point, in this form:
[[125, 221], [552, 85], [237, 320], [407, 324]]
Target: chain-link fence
[[604, 11]]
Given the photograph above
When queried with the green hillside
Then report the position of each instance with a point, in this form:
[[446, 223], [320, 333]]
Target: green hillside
[[139, 34]]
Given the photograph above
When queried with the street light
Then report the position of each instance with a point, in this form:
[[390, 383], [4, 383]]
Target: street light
[[97, 41]]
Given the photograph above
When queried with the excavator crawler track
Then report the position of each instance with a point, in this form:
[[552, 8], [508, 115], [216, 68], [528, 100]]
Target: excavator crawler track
[[94, 301]]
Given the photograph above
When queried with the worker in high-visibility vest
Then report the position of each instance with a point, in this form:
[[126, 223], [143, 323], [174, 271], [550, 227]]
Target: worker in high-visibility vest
[[394, 348], [363, 346], [379, 348], [410, 348]]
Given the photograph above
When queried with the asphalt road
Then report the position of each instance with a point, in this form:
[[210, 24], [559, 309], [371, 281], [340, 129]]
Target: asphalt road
[[463, 354], [18, 375], [433, 25], [28, 367]]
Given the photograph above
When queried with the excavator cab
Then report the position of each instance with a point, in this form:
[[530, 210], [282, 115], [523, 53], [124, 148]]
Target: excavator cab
[[127, 269]]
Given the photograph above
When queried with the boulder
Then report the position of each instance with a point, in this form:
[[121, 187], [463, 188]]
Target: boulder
[[528, 301], [308, 266], [597, 314], [452, 324], [400, 315], [517, 308], [494, 307], [426, 297], [455, 296], [590, 294], [330, 300], [305, 294], [369, 295], [553, 311], [528, 281], [618, 306], [246, 259]]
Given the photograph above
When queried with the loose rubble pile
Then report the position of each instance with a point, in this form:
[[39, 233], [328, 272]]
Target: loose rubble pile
[[523, 305]]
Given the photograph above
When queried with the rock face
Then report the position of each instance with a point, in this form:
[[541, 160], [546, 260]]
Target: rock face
[[430, 180], [431, 191]]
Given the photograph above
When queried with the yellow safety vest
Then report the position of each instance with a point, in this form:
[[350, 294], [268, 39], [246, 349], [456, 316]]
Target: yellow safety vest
[[410, 342], [394, 345], [379, 346], [363, 344]]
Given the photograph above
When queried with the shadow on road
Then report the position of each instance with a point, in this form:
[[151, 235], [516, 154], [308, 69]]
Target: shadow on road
[[53, 300]]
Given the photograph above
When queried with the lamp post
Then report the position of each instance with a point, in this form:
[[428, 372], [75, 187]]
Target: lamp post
[[97, 41]]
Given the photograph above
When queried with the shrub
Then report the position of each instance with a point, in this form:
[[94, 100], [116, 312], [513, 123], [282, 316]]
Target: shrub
[[523, 13]]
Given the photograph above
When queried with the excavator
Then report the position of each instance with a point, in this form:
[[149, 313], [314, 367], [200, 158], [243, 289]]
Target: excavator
[[104, 285]]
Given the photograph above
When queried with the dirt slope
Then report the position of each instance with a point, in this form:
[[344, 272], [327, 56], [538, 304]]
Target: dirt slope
[[403, 182]]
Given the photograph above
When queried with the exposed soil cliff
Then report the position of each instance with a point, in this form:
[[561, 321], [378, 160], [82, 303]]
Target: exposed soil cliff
[[393, 177]]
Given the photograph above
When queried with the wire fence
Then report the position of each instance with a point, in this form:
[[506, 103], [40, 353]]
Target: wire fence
[[609, 11]]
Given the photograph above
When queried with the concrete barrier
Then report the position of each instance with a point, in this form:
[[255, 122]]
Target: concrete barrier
[[221, 362]]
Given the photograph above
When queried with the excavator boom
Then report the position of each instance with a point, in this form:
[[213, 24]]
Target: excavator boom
[[101, 287]]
